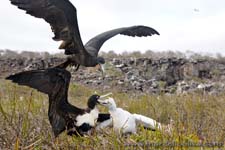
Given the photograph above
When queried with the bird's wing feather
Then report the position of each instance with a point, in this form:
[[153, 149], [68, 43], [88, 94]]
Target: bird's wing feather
[[47, 81], [104, 124], [93, 45], [147, 122], [62, 17], [52, 81]]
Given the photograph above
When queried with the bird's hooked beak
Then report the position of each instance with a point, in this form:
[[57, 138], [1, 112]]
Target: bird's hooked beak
[[102, 69]]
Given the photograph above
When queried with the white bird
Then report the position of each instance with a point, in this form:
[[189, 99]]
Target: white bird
[[125, 122]]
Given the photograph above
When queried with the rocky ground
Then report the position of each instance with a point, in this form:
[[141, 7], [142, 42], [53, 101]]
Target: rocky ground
[[142, 75]]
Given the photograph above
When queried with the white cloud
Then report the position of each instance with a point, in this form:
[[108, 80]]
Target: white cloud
[[181, 27]]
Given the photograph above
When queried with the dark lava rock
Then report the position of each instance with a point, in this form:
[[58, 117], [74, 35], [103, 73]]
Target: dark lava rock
[[169, 75]]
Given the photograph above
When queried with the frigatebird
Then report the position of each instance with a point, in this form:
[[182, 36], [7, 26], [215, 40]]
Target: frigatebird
[[62, 17], [62, 115]]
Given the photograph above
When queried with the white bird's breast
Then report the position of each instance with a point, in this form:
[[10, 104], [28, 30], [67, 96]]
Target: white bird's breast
[[90, 118]]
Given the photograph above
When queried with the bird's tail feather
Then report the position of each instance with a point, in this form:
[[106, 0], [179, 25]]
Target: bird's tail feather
[[147, 122]]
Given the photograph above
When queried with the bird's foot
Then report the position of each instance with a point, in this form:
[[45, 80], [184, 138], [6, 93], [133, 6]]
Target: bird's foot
[[75, 66]]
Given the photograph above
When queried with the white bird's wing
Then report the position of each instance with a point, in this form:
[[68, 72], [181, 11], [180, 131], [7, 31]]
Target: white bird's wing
[[147, 122], [105, 124]]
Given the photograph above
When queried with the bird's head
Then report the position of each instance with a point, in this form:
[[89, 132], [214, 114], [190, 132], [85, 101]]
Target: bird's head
[[110, 103], [101, 60], [94, 100]]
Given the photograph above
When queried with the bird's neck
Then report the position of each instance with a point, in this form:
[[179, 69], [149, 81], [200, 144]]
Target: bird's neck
[[94, 112], [89, 109], [112, 108]]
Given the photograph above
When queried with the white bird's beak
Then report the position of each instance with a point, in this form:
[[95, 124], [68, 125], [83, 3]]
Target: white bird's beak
[[102, 101], [103, 96]]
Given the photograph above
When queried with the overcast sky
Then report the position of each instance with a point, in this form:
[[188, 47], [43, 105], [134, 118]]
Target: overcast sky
[[197, 25]]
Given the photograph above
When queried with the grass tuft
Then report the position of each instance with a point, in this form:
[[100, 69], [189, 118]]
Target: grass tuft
[[197, 119]]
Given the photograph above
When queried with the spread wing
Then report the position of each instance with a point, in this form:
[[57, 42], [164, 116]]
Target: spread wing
[[55, 83], [62, 17], [48, 81], [93, 46]]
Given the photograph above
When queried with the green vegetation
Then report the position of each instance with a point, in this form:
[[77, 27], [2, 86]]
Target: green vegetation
[[196, 118]]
